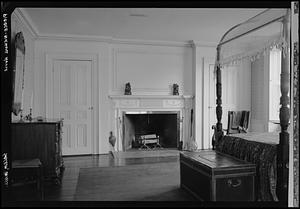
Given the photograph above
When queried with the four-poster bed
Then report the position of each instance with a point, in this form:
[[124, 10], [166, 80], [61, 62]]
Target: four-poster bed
[[266, 154], [269, 151]]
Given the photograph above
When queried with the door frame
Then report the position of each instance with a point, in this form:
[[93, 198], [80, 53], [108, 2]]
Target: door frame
[[208, 62], [50, 58]]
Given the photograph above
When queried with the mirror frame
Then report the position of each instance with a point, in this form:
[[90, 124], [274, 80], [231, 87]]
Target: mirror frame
[[19, 45]]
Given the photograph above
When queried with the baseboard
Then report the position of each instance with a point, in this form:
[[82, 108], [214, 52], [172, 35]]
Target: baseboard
[[84, 155]]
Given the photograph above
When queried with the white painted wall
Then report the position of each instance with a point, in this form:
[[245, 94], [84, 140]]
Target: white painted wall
[[18, 25], [151, 70]]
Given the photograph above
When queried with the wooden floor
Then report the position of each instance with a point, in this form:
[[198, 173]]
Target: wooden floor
[[66, 191]]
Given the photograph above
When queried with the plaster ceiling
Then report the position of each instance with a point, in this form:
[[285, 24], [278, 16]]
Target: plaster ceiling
[[162, 24]]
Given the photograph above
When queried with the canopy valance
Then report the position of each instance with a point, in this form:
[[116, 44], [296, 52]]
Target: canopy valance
[[253, 38]]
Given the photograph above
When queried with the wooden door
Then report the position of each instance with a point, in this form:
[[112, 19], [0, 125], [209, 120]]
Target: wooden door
[[72, 102]]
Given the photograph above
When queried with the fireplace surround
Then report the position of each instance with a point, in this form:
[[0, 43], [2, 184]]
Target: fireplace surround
[[140, 108]]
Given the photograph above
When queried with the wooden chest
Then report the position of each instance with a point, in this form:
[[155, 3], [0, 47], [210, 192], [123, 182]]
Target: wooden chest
[[40, 140], [213, 176]]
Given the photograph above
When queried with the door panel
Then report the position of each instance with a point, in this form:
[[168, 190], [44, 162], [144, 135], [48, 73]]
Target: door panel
[[72, 102]]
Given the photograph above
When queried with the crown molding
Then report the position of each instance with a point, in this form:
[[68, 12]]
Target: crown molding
[[24, 18], [72, 37], [152, 42], [194, 43], [150, 96], [108, 39]]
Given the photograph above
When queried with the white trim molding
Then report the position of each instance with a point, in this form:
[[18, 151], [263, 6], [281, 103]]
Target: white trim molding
[[111, 40], [194, 43], [24, 18]]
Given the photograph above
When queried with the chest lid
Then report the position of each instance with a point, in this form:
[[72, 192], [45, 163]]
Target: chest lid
[[216, 161]]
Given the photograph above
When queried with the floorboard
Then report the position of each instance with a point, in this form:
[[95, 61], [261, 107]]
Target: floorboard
[[67, 189]]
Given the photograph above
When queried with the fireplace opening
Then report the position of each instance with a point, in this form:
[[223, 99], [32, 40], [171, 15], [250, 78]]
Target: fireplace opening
[[161, 129]]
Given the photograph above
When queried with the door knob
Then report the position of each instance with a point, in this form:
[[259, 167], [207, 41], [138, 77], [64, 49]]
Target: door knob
[[90, 108]]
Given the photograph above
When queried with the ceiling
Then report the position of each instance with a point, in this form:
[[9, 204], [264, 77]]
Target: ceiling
[[160, 24]]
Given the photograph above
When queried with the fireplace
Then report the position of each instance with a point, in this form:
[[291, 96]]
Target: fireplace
[[165, 125], [167, 116]]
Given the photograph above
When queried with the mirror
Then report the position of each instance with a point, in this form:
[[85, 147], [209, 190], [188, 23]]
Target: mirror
[[18, 73]]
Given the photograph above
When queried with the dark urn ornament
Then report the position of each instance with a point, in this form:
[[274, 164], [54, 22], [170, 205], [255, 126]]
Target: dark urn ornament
[[127, 89], [112, 139], [175, 89]]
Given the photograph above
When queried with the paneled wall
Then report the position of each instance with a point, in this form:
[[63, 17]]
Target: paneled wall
[[151, 70]]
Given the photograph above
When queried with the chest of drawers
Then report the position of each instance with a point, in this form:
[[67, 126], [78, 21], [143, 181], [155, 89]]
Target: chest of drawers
[[40, 140]]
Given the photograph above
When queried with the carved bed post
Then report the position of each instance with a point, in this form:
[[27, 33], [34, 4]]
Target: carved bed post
[[284, 115], [218, 129]]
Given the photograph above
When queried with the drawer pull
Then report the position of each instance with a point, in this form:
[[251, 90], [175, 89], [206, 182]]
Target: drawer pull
[[232, 184]]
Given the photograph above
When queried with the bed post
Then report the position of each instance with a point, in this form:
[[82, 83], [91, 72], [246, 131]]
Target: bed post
[[284, 115], [218, 130]]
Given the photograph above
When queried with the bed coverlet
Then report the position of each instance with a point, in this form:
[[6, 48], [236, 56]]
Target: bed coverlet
[[258, 148]]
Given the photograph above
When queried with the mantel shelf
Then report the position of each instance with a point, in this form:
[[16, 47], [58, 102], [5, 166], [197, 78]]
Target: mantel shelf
[[151, 96]]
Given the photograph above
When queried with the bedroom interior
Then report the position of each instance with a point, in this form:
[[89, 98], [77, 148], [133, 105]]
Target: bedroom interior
[[210, 116]]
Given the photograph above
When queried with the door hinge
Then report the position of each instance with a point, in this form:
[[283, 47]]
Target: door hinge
[[296, 53], [296, 7]]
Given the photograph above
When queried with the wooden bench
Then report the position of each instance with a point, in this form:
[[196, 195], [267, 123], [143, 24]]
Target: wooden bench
[[213, 176], [28, 171]]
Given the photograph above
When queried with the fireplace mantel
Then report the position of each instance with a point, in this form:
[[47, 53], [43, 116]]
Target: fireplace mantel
[[158, 103], [151, 96]]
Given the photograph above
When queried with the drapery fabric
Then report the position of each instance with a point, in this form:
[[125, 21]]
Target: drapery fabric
[[253, 38]]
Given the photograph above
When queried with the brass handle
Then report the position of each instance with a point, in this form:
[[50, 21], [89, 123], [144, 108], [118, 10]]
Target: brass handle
[[231, 184]]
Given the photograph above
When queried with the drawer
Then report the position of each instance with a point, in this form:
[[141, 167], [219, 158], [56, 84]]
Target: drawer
[[235, 188]]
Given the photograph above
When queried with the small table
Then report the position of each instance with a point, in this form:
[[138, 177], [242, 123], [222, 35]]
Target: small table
[[29, 167]]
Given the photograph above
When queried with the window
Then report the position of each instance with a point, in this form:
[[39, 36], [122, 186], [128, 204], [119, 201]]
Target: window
[[274, 85]]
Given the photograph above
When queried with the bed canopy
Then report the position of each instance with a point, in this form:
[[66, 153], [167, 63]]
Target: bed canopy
[[250, 40]]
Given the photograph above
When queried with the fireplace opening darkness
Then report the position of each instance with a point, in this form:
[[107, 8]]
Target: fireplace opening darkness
[[164, 125]]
